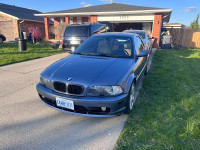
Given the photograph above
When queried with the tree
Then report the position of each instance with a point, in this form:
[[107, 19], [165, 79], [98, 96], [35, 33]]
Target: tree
[[35, 32], [58, 30], [195, 23]]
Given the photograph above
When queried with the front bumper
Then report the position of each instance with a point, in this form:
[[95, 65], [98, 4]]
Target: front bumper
[[85, 106]]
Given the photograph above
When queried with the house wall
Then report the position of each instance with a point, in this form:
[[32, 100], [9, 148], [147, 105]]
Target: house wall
[[151, 23], [15, 25], [157, 24], [6, 28], [26, 24], [126, 18]]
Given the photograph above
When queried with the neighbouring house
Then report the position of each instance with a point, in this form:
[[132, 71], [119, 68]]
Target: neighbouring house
[[174, 26], [11, 16], [118, 16]]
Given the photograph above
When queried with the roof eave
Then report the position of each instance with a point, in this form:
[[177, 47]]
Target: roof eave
[[9, 15], [19, 18], [31, 20], [105, 13], [167, 17]]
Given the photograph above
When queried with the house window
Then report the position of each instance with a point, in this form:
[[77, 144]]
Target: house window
[[85, 20]]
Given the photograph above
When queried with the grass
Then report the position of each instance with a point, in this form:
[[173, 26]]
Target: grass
[[9, 52], [167, 111]]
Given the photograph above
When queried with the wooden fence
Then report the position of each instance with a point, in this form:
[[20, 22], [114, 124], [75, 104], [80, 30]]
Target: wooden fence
[[190, 38]]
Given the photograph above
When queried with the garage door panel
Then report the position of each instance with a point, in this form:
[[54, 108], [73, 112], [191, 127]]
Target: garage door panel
[[6, 28]]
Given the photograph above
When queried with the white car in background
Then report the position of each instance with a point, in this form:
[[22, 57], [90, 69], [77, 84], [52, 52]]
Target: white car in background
[[147, 39]]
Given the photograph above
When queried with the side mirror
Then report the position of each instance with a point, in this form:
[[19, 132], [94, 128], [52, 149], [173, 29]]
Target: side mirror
[[152, 38], [143, 53]]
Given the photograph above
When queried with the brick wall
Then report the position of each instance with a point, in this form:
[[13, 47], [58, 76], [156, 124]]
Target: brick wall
[[15, 25], [26, 24], [157, 24], [93, 19]]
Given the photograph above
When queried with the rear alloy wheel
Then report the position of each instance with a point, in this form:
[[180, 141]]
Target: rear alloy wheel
[[131, 99], [1, 40]]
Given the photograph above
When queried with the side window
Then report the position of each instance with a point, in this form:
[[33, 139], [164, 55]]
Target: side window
[[138, 45]]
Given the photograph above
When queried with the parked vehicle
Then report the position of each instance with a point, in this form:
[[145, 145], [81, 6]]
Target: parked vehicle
[[74, 35], [148, 41], [99, 79], [2, 38]]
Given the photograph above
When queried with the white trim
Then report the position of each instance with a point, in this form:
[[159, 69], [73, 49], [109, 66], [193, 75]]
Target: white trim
[[107, 13], [126, 18], [9, 15]]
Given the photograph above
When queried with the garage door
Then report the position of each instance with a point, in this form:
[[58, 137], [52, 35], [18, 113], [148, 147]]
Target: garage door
[[6, 28]]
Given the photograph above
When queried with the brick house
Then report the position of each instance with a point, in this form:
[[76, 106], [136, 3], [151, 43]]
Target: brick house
[[11, 16], [119, 17]]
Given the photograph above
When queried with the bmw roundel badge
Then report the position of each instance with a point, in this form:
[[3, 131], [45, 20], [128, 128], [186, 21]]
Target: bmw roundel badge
[[69, 79]]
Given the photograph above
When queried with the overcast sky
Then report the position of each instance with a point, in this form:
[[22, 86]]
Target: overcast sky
[[184, 11]]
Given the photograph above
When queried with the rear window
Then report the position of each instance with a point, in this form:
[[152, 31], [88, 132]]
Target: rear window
[[77, 31]]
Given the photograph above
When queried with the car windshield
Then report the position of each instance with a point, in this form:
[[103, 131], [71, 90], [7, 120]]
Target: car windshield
[[107, 46], [77, 31], [141, 34]]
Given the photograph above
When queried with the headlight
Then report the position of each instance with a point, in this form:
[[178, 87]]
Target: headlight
[[45, 81], [104, 90]]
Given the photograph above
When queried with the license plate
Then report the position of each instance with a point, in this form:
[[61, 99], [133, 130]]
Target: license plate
[[65, 103], [74, 42], [73, 48]]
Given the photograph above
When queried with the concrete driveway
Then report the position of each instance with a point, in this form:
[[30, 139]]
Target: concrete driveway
[[26, 123]]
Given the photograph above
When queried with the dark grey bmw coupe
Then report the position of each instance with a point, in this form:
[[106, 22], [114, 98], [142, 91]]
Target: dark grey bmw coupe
[[99, 79]]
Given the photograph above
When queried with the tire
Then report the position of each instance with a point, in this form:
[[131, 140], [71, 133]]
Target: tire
[[1, 40], [131, 99]]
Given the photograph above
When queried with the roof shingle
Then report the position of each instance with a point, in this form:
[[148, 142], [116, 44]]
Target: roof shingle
[[106, 8], [21, 13]]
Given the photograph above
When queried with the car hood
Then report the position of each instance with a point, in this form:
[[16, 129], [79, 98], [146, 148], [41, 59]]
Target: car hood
[[89, 70]]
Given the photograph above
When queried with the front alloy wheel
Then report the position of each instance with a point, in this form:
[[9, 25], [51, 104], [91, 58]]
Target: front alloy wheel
[[131, 99]]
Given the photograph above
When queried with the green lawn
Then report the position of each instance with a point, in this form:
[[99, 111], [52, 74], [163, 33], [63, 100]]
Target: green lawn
[[167, 111], [9, 52]]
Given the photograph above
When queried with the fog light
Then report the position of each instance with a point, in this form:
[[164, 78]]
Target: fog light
[[103, 108]]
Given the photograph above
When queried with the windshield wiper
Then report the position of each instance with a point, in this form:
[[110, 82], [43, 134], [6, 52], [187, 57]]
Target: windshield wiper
[[81, 53], [94, 54], [104, 55]]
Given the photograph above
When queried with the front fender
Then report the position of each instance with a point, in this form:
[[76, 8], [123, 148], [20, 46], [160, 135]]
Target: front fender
[[129, 82]]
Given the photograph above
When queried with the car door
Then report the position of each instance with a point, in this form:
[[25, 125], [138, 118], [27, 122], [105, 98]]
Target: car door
[[140, 61]]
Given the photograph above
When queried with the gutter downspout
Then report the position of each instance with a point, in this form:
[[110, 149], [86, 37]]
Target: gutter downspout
[[20, 35]]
